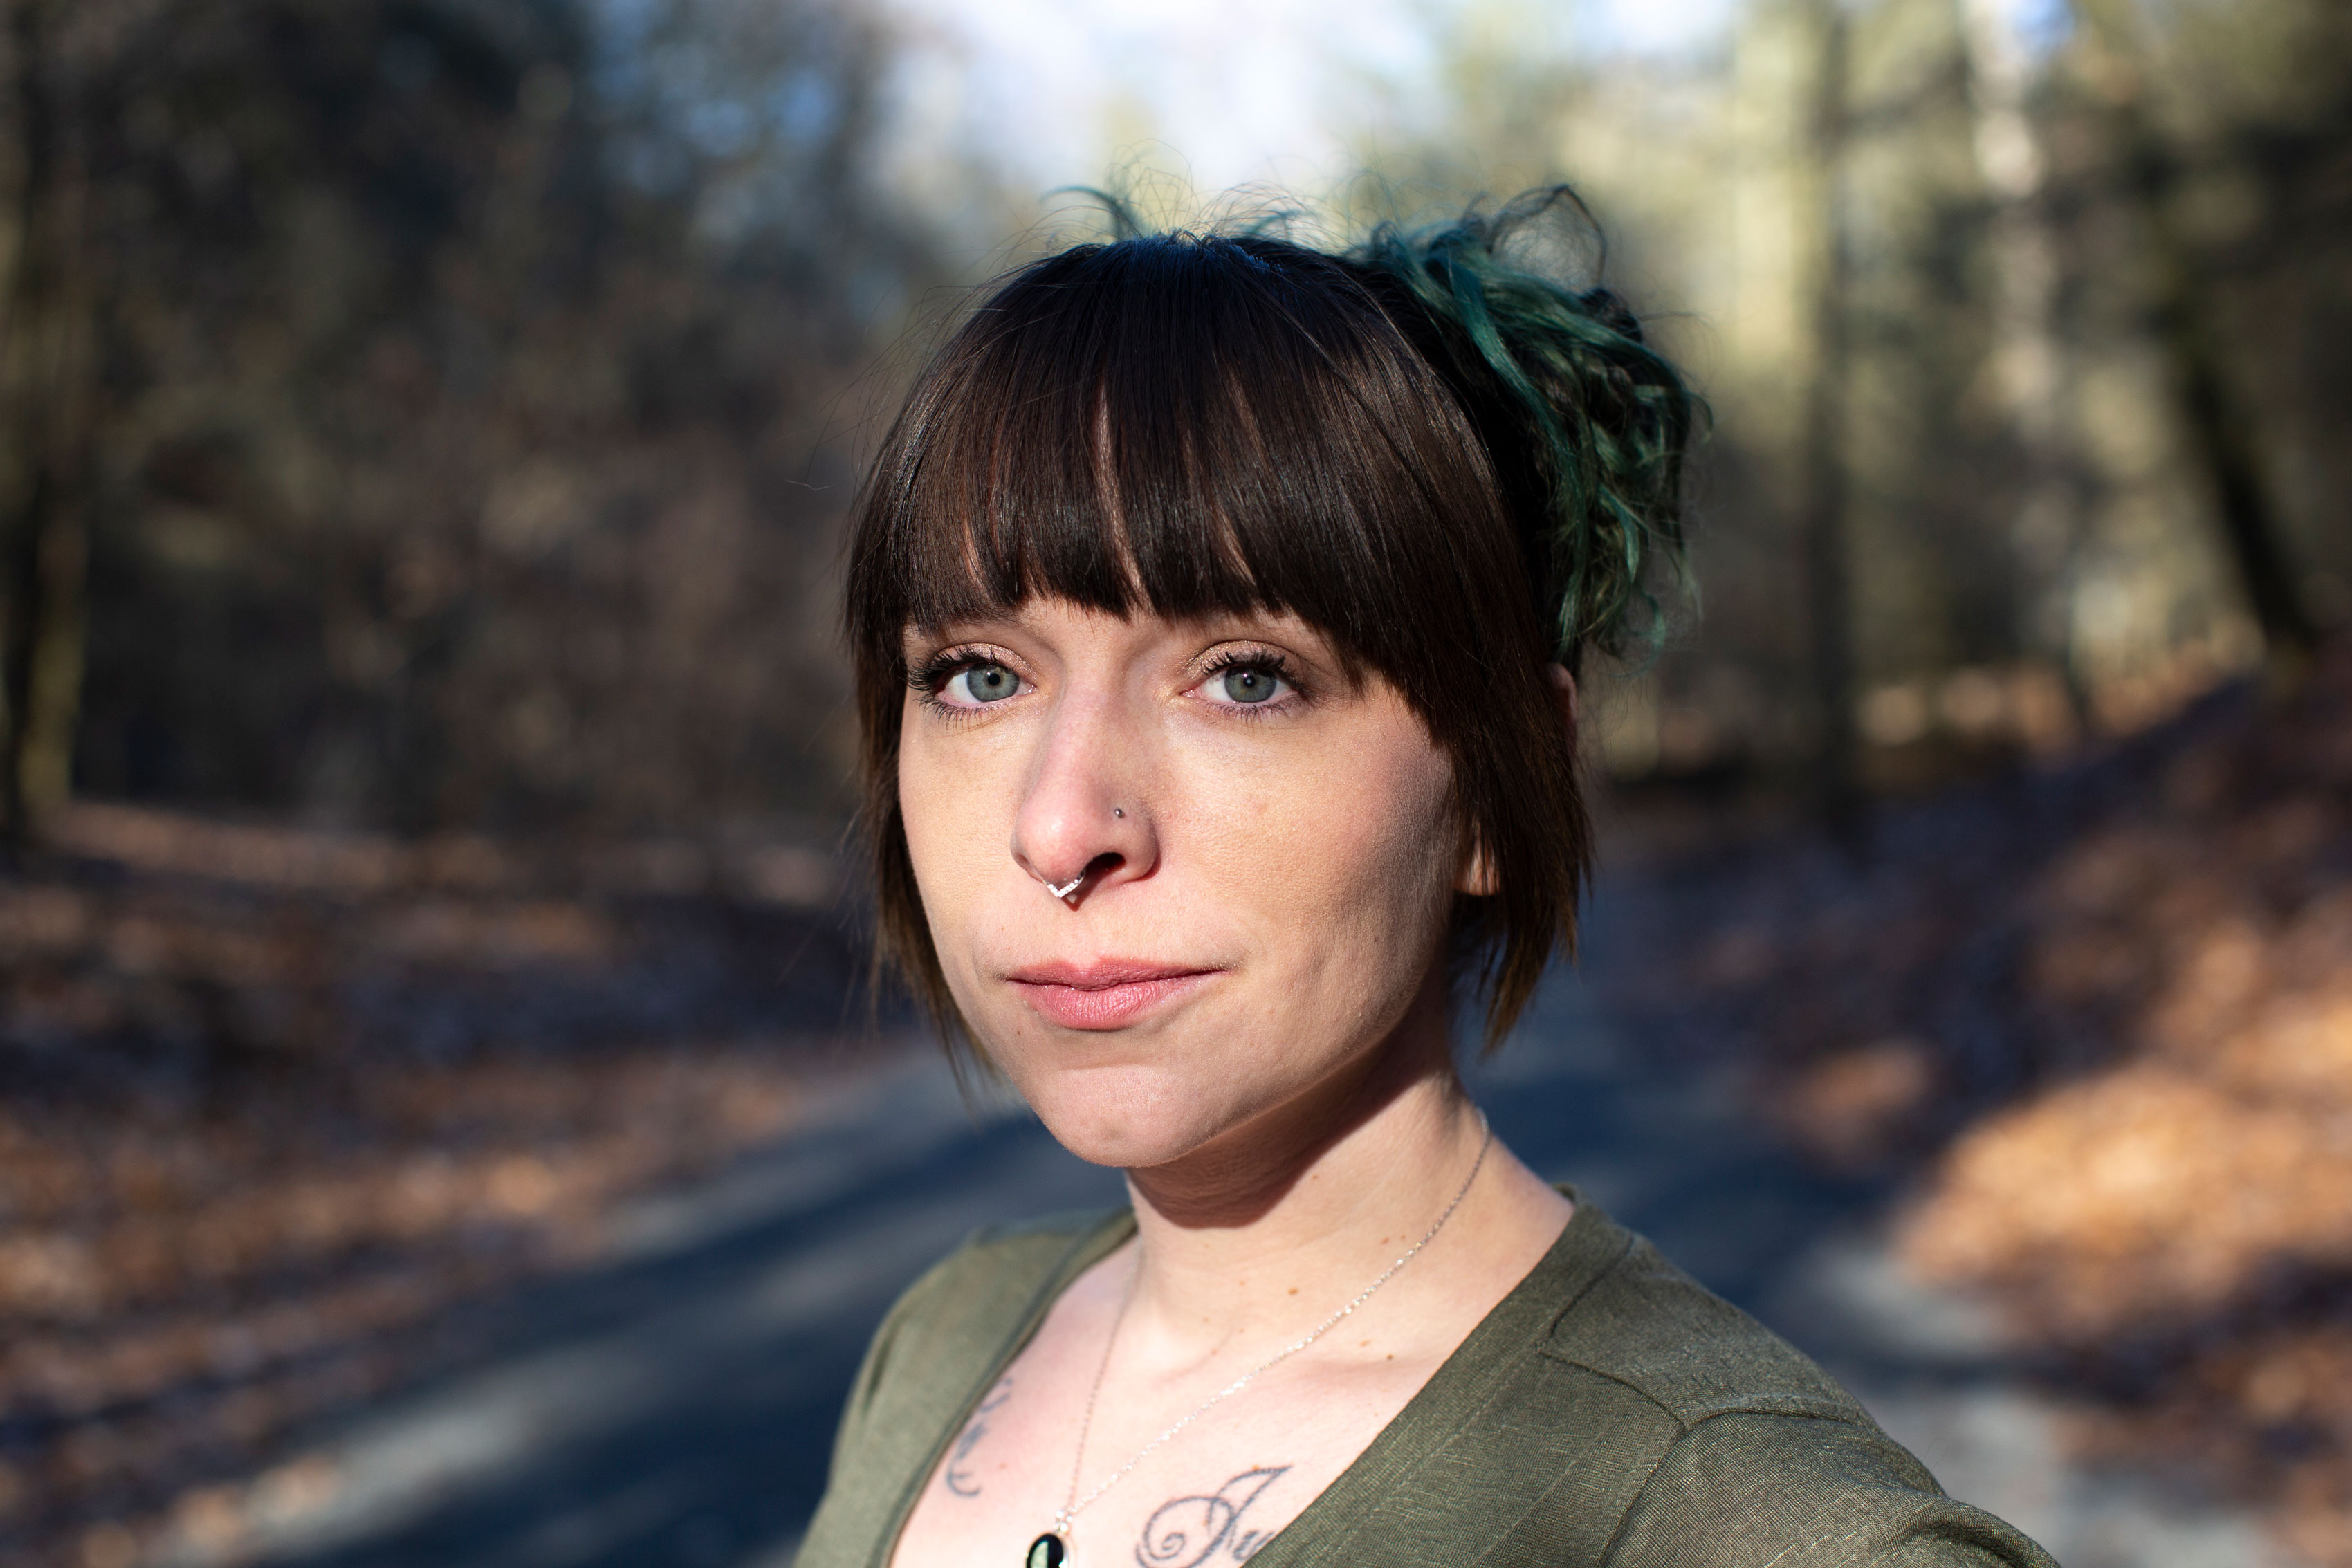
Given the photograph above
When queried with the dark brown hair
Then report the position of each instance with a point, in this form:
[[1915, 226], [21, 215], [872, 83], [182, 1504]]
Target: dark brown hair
[[1182, 425]]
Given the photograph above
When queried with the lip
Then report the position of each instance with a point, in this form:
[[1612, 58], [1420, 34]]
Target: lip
[[1106, 994]]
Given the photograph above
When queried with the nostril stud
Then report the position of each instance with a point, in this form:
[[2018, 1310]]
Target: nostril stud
[[1116, 813]]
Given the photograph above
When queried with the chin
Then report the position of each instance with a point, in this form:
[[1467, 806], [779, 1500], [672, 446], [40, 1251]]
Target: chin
[[1130, 1117]]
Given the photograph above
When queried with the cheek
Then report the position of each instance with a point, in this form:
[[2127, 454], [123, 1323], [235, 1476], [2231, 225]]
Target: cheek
[[1391, 858], [1346, 858], [954, 834]]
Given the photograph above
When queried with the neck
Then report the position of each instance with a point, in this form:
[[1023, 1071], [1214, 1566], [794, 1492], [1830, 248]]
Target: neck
[[1271, 1227]]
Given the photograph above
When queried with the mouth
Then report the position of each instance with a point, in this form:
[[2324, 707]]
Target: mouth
[[1107, 994]]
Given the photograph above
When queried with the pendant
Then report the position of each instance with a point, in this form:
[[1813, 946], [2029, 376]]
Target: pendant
[[1047, 1551]]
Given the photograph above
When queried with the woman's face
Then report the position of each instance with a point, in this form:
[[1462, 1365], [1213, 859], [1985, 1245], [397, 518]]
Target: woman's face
[[1268, 851]]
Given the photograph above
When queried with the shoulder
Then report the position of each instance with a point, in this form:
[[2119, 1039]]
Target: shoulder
[[1643, 1324], [1756, 1455], [1749, 1490]]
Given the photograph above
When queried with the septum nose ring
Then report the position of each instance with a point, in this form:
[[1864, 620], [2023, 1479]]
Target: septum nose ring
[[1071, 887]]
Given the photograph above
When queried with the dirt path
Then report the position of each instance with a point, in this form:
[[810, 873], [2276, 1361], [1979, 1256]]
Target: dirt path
[[675, 1406]]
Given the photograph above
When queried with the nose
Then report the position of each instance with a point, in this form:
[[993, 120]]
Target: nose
[[1085, 823]]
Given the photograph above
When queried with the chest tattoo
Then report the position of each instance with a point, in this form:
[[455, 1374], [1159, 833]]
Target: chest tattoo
[[1187, 1531], [958, 1472]]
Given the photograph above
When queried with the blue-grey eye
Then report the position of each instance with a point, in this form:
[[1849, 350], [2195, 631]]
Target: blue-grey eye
[[986, 683], [1245, 685]]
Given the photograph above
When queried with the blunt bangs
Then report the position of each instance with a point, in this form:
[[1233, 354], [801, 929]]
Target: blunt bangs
[[1184, 426]]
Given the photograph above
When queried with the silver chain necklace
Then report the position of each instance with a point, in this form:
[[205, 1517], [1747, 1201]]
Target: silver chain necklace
[[1051, 1550]]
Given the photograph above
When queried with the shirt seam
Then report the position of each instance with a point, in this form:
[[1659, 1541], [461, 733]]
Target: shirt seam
[[1816, 1408], [1545, 1347], [1627, 1241], [1633, 1504]]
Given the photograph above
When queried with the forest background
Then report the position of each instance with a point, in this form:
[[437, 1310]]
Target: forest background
[[426, 429]]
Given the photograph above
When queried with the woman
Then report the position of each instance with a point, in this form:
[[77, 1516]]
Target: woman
[[1214, 603]]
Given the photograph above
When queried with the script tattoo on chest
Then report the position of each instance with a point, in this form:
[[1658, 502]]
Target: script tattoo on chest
[[1187, 1531], [958, 1472]]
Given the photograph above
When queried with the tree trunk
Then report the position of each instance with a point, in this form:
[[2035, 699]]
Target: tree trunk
[[2218, 429], [1823, 504], [48, 363]]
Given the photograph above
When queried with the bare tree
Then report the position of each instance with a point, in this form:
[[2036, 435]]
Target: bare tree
[[1822, 498], [46, 380], [414, 412], [2212, 415]]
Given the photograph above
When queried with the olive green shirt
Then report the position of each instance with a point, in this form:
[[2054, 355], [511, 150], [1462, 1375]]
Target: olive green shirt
[[1609, 1410]]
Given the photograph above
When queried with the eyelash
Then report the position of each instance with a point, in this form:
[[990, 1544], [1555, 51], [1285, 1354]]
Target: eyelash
[[1262, 659], [942, 668], [933, 674]]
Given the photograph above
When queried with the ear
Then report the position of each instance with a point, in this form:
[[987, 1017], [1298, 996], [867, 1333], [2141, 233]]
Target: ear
[[1563, 690], [1478, 879]]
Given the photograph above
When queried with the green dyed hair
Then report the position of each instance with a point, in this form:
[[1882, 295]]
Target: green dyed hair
[[1599, 423]]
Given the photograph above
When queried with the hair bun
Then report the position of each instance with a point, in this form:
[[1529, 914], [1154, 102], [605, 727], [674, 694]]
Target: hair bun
[[1588, 426], [1607, 307]]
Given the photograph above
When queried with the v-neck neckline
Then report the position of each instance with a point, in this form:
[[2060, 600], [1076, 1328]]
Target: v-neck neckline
[[1459, 1386]]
